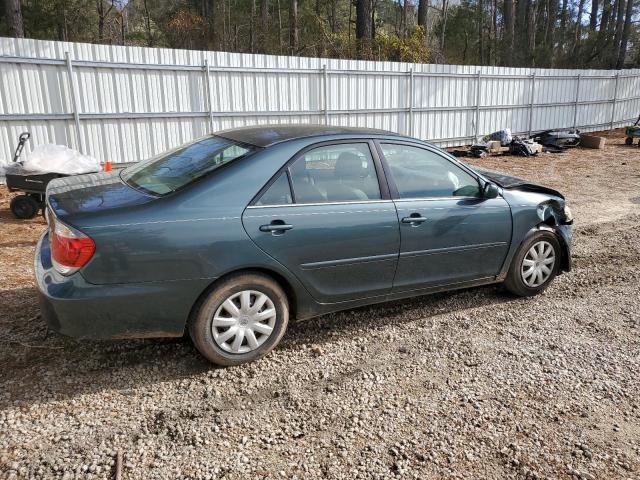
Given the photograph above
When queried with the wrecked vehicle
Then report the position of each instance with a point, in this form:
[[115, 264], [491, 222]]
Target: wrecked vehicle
[[229, 236]]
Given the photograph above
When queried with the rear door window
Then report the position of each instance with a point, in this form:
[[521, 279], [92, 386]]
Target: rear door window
[[335, 173], [279, 193]]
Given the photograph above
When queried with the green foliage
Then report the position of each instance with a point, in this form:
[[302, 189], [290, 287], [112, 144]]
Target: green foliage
[[404, 49], [471, 31]]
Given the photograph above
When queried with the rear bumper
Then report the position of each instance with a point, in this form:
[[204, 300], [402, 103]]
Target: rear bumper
[[79, 309]]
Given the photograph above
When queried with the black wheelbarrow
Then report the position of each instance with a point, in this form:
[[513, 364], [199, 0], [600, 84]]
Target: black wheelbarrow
[[34, 186]]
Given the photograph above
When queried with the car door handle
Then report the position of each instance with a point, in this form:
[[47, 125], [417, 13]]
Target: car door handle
[[275, 227], [414, 219]]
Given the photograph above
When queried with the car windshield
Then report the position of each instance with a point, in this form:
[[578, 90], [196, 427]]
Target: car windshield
[[177, 168]]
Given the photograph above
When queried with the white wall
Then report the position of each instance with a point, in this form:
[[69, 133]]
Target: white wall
[[134, 102]]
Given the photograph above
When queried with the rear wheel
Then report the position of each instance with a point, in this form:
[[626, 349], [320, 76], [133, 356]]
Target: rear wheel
[[240, 320], [628, 140], [24, 207], [535, 265]]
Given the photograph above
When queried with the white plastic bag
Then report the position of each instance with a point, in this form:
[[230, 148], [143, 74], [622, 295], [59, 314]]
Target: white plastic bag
[[504, 136], [49, 158]]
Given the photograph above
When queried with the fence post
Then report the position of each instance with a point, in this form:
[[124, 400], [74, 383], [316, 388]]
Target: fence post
[[410, 128], [478, 84], [532, 93], [615, 98], [575, 105], [207, 86], [325, 94], [74, 101]]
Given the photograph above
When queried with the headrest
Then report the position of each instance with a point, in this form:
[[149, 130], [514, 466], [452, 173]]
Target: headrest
[[299, 168], [349, 165]]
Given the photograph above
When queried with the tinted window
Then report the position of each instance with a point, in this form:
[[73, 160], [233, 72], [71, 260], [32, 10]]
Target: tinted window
[[420, 173], [278, 193], [335, 173], [175, 169]]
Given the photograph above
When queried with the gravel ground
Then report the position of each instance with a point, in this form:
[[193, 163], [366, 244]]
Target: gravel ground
[[469, 384]]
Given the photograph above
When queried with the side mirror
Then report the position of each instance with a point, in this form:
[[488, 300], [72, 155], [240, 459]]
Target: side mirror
[[490, 190]]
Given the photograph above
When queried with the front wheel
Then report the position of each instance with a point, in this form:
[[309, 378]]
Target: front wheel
[[534, 266], [240, 320]]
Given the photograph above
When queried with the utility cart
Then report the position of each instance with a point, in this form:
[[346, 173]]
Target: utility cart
[[632, 132], [34, 186]]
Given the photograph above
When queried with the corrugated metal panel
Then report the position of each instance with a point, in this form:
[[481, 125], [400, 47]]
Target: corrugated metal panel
[[136, 102]]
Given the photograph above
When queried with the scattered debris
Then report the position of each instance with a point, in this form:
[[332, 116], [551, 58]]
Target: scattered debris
[[317, 350], [558, 139]]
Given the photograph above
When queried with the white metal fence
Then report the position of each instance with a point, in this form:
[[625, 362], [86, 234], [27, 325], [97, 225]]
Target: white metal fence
[[129, 103]]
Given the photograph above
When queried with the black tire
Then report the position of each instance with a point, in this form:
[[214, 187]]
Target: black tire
[[628, 141], [24, 207], [200, 325], [514, 281]]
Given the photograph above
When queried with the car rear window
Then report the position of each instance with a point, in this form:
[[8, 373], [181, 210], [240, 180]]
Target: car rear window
[[177, 168]]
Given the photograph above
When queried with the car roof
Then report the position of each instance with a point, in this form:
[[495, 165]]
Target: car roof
[[267, 135]]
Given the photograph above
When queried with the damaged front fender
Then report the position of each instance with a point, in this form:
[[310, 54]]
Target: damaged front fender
[[535, 211]]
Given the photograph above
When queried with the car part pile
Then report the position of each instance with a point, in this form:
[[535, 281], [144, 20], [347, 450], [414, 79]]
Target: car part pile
[[558, 140], [503, 142]]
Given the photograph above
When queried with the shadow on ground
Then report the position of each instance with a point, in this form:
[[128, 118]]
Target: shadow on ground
[[38, 366]]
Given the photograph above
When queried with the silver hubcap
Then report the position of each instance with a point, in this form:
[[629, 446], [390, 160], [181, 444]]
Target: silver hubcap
[[538, 264], [244, 321]]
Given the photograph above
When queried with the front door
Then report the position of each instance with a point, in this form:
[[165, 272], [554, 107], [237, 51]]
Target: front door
[[328, 221], [449, 233]]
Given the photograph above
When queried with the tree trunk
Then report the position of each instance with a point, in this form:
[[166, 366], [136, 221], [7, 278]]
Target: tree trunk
[[521, 39], [405, 18], [13, 11], [445, 7], [252, 28], [481, 31], [147, 24], [617, 39], [601, 40], [494, 31], [363, 20], [100, 10], [423, 19], [280, 41], [578, 30], [423, 14], [593, 20], [550, 32], [507, 50], [293, 26], [625, 35], [373, 18]]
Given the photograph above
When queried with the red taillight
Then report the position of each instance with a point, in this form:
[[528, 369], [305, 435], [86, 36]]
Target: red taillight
[[70, 249]]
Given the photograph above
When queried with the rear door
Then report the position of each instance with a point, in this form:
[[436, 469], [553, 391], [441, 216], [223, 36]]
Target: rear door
[[449, 233], [328, 218]]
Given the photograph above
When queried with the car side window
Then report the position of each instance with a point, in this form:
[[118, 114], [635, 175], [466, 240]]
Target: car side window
[[335, 173], [279, 193], [420, 173]]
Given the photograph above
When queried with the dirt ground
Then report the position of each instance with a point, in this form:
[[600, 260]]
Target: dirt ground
[[468, 384]]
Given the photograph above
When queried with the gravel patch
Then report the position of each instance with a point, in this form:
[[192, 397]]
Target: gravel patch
[[467, 384]]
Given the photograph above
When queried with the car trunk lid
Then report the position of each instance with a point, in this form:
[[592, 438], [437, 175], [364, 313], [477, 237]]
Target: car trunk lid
[[74, 198]]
